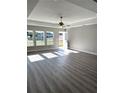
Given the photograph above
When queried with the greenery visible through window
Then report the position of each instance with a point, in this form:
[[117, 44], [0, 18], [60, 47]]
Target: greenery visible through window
[[30, 36], [50, 38], [40, 38]]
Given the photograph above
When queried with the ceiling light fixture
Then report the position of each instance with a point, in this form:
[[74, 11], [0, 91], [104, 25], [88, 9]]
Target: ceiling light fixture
[[61, 24], [95, 1]]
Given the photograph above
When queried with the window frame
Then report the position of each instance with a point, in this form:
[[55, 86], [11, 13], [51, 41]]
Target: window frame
[[43, 36], [32, 39], [53, 39]]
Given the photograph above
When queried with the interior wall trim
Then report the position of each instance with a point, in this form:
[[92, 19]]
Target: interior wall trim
[[36, 50], [89, 52]]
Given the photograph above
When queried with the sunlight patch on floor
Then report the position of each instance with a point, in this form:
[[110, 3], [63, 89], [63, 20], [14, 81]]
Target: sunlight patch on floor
[[67, 52], [49, 55], [59, 53], [71, 51], [34, 58]]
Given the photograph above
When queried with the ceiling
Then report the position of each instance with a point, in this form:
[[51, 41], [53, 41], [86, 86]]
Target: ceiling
[[48, 12]]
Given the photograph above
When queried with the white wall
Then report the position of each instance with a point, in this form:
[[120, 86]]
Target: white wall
[[83, 38], [40, 48]]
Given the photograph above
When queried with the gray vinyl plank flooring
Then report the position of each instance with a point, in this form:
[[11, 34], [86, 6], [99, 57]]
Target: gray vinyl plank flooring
[[72, 73]]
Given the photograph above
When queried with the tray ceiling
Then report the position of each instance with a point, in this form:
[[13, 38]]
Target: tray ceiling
[[49, 11]]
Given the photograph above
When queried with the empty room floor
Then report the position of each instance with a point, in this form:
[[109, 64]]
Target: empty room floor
[[61, 72]]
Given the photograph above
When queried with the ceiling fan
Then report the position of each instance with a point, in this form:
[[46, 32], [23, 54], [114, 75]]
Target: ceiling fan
[[62, 25], [95, 1]]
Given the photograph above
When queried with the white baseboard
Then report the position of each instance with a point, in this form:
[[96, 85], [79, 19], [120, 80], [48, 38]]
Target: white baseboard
[[35, 50], [89, 52]]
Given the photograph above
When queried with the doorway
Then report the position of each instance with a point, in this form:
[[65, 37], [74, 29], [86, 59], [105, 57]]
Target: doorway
[[63, 40]]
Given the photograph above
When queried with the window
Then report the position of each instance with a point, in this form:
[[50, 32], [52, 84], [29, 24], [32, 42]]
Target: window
[[30, 36], [40, 38], [50, 38]]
